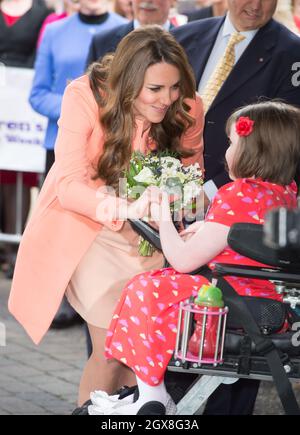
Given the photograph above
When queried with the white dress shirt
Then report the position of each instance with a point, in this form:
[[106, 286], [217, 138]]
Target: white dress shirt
[[216, 54]]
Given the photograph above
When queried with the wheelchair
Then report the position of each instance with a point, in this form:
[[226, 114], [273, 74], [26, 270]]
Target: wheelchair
[[251, 346]]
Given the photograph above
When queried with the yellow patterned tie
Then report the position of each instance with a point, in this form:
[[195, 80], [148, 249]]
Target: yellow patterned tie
[[221, 72]]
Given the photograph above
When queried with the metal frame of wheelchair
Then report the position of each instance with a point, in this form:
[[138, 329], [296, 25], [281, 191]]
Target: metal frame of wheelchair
[[247, 240], [233, 366]]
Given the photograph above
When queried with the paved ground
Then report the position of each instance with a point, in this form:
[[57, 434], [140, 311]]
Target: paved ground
[[38, 380], [43, 380]]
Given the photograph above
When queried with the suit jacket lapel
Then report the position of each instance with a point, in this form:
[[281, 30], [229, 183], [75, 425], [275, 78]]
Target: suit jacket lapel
[[255, 57], [121, 31], [124, 30], [198, 56]]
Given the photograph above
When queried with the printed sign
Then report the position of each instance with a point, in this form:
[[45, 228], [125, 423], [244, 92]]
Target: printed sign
[[22, 130]]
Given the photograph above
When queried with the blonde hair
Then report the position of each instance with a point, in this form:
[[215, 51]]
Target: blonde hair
[[116, 82]]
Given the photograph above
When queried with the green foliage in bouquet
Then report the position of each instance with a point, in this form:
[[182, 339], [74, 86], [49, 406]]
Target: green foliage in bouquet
[[144, 171], [164, 170]]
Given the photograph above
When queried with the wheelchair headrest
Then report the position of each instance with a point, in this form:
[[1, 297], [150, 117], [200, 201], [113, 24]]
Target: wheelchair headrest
[[247, 240]]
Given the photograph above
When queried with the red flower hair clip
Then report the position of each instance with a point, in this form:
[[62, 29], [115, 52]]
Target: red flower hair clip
[[244, 126]]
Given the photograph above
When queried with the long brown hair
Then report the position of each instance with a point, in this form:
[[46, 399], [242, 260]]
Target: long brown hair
[[116, 82], [272, 151]]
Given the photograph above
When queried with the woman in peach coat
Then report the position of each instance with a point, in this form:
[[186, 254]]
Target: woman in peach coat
[[78, 241]]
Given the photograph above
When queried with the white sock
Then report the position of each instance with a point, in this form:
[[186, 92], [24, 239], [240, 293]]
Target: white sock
[[147, 393]]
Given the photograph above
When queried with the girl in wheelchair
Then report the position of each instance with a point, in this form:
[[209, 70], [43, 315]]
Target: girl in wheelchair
[[261, 160]]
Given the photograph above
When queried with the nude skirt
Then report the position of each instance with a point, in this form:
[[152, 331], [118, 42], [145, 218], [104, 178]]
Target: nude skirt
[[110, 262]]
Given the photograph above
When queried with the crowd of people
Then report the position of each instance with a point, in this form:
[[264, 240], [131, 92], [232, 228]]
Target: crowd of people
[[145, 76]]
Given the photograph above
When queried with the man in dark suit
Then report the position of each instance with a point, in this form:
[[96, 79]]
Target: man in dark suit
[[264, 67], [145, 12]]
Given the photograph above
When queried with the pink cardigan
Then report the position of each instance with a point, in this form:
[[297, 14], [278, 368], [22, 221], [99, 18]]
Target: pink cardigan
[[64, 224]]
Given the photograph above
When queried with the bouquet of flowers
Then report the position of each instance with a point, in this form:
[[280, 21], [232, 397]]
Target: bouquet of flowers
[[168, 173]]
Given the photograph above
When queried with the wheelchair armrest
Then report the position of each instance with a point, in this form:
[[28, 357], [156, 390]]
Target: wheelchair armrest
[[146, 231], [269, 273]]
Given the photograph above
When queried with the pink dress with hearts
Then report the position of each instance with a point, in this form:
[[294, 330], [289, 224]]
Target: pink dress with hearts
[[142, 332]]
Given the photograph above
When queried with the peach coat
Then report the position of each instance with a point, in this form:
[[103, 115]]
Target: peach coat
[[64, 222]]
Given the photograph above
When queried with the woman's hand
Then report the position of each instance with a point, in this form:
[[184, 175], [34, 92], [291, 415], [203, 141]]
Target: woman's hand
[[160, 207], [155, 206], [141, 207]]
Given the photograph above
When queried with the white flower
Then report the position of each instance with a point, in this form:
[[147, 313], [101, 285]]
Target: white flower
[[145, 176], [173, 175], [168, 161]]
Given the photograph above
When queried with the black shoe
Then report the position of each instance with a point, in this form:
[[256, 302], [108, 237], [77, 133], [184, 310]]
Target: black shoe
[[66, 316], [152, 408], [157, 408], [127, 391], [82, 410]]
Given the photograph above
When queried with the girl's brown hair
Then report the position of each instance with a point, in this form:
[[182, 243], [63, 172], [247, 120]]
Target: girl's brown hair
[[272, 151], [116, 82]]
